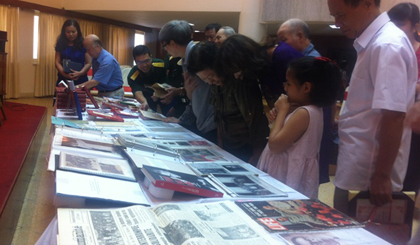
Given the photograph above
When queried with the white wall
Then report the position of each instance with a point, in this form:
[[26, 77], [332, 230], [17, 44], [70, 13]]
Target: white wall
[[146, 5]]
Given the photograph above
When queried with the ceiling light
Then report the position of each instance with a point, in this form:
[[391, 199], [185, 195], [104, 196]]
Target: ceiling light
[[191, 24], [334, 27]]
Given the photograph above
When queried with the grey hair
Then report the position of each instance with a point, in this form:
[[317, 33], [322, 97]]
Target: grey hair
[[296, 25], [229, 31]]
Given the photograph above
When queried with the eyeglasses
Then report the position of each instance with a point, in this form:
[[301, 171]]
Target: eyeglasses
[[164, 45], [146, 61]]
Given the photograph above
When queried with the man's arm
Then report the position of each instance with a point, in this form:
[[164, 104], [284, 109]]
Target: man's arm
[[390, 134], [89, 84], [142, 100]]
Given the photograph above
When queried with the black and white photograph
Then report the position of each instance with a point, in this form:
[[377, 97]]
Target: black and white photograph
[[236, 232], [245, 185], [168, 207], [182, 230]]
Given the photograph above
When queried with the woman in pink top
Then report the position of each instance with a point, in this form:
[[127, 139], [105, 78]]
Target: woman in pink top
[[291, 154]]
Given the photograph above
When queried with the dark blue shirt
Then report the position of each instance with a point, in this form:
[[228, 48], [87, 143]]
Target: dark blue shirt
[[75, 55], [272, 83]]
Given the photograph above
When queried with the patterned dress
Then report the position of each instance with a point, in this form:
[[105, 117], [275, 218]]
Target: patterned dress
[[298, 166]]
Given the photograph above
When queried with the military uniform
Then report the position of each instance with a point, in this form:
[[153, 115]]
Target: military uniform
[[140, 81]]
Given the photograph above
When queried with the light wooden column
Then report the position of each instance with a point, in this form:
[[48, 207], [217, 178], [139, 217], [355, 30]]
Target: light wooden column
[[250, 20]]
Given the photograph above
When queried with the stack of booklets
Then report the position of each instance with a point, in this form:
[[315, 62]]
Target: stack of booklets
[[176, 224]]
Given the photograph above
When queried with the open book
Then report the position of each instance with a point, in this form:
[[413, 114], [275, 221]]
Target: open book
[[151, 115], [175, 224], [160, 89], [113, 168]]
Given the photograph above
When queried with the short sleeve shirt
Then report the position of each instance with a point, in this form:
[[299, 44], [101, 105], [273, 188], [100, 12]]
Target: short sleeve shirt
[[384, 78], [107, 72], [138, 80]]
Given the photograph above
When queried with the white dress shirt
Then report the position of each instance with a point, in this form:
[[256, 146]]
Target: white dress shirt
[[384, 77]]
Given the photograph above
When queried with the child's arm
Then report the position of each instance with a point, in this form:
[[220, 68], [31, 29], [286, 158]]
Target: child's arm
[[282, 136]]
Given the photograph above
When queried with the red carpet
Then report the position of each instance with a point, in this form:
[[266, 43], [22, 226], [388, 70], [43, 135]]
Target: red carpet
[[16, 135]]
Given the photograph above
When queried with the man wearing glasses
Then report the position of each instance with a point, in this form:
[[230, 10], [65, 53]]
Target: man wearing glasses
[[143, 75]]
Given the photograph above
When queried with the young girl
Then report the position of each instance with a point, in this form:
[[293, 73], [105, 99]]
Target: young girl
[[291, 154]]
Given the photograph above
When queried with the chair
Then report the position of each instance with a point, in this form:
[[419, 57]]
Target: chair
[[125, 70]]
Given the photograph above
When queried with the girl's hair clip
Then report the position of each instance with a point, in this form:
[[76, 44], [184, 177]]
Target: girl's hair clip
[[325, 59]]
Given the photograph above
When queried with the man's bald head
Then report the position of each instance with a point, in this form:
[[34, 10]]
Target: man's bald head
[[294, 32], [93, 45]]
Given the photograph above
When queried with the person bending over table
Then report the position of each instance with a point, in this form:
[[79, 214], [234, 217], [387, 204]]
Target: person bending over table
[[107, 76]]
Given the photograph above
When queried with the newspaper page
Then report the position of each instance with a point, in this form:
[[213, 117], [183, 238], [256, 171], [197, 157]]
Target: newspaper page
[[210, 223], [178, 224], [131, 225], [355, 236]]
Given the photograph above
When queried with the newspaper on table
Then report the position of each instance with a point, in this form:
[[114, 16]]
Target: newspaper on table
[[178, 224], [354, 236]]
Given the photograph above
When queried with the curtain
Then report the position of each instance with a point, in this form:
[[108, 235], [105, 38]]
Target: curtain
[[118, 41], [90, 27], [45, 72], [9, 22]]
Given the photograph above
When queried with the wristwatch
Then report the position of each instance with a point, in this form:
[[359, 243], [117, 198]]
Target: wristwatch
[[182, 93]]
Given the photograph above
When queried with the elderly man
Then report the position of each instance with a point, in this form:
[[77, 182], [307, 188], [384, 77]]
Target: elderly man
[[223, 33], [295, 32], [210, 32], [175, 37], [107, 77], [143, 75], [374, 145]]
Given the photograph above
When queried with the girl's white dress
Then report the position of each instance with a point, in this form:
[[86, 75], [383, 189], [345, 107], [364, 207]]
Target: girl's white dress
[[298, 166]]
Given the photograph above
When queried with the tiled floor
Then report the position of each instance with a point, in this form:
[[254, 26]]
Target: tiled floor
[[38, 206]]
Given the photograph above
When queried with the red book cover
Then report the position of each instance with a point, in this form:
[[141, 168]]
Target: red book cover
[[182, 182], [123, 114], [105, 115]]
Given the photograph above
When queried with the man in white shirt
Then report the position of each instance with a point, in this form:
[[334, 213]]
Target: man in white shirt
[[374, 145]]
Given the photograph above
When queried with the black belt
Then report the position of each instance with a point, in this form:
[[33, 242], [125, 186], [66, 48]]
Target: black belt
[[107, 91]]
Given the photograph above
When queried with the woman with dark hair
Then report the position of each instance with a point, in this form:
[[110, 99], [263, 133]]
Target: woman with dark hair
[[69, 46], [406, 16], [239, 113], [242, 57]]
